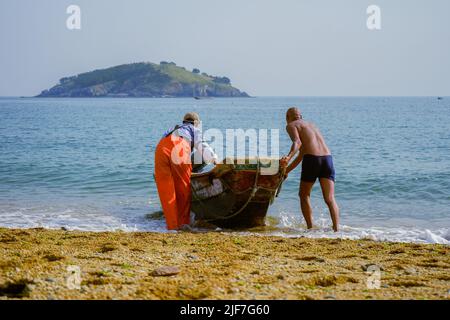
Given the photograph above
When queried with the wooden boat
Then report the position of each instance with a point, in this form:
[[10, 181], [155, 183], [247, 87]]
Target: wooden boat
[[237, 193]]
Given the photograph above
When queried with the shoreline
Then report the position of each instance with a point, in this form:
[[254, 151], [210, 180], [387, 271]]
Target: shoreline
[[272, 229], [126, 265]]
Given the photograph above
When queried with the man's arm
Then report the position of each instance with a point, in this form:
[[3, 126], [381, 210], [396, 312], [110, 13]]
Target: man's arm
[[296, 142], [295, 163]]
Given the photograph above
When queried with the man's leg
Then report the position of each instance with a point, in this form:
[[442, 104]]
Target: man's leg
[[181, 172], [305, 201], [327, 186], [166, 192], [182, 180]]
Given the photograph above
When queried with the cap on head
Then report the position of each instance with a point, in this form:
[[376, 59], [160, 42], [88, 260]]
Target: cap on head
[[192, 117]]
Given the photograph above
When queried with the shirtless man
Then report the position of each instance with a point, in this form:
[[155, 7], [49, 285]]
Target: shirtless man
[[308, 142]]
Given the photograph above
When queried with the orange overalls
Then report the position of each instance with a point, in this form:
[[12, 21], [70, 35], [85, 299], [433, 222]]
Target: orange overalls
[[173, 170]]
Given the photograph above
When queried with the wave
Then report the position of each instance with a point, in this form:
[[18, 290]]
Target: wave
[[411, 235], [91, 219], [290, 226]]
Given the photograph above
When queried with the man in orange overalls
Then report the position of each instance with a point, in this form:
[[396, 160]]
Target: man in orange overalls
[[173, 169]]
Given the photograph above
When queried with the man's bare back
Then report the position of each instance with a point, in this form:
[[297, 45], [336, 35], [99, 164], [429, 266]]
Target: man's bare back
[[312, 140]]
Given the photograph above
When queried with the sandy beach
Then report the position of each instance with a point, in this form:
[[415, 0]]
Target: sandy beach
[[40, 263]]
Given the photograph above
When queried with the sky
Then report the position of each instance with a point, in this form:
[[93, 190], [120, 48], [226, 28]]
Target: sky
[[266, 47]]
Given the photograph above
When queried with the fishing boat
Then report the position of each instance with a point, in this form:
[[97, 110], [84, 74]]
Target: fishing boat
[[237, 193]]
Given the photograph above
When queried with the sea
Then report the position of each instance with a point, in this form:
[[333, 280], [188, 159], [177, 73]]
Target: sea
[[87, 163]]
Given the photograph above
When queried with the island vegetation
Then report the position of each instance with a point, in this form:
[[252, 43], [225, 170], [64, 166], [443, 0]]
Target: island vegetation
[[144, 79]]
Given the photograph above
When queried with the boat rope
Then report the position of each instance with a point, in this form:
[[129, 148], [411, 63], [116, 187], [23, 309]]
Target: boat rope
[[275, 191], [278, 188], [252, 194]]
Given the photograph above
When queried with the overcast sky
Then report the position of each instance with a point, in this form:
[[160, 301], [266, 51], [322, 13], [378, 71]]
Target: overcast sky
[[267, 48]]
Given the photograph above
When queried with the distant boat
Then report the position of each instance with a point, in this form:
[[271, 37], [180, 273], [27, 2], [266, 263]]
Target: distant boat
[[440, 98], [234, 195], [201, 98]]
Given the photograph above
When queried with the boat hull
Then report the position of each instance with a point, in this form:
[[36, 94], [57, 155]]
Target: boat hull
[[236, 195]]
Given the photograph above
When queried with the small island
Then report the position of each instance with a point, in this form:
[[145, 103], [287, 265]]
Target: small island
[[145, 79]]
